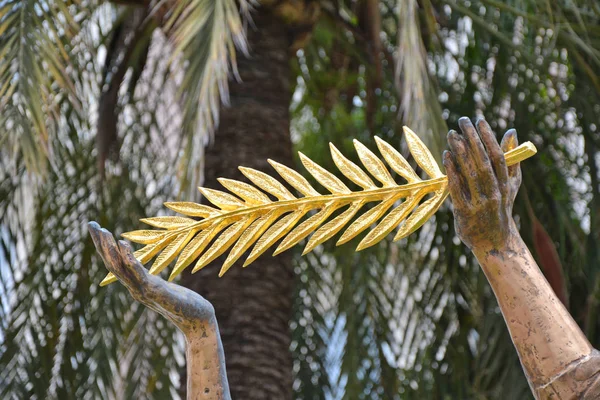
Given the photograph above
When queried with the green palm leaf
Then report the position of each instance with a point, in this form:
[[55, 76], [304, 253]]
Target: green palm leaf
[[34, 67], [205, 33]]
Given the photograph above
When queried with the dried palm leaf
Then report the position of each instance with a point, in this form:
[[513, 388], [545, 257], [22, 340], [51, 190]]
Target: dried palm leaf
[[254, 219]]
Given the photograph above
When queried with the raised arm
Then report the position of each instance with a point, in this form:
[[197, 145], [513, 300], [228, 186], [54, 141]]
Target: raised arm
[[190, 312], [558, 360]]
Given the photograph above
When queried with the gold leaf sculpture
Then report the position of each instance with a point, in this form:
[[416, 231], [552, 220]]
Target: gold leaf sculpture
[[251, 219]]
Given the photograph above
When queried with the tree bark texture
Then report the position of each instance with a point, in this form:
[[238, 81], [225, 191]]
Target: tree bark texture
[[253, 305]]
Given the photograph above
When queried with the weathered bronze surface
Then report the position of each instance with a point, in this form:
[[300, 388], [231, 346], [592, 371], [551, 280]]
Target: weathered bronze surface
[[483, 180], [253, 218], [558, 360], [190, 312]]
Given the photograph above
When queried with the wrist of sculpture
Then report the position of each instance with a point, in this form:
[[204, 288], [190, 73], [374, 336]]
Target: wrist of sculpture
[[507, 245]]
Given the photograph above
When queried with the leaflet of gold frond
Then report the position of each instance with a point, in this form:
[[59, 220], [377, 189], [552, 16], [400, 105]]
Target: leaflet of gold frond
[[246, 218]]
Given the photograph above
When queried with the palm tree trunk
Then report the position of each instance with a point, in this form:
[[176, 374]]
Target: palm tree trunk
[[253, 305]]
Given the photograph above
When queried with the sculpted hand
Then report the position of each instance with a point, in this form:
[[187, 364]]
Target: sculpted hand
[[482, 187], [558, 360], [190, 312], [184, 307]]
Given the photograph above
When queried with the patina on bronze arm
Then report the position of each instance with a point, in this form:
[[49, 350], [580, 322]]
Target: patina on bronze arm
[[190, 312], [558, 360]]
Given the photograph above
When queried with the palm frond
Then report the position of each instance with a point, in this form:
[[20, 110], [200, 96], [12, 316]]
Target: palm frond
[[34, 66], [206, 33], [419, 105], [253, 219]]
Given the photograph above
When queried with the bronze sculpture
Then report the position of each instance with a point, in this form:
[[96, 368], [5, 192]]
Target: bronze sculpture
[[189, 311], [558, 360]]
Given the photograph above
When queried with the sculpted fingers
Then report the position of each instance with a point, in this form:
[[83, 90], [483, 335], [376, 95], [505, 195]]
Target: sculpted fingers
[[459, 192], [118, 258], [469, 133], [133, 274], [486, 180], [495, 155], [107, 247], [484, 171], [509, 142], [463, 159]]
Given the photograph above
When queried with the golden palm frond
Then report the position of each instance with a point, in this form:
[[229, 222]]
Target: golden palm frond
[[252, 218]]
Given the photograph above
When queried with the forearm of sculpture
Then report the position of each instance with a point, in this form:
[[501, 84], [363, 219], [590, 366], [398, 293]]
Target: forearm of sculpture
[[551, 347], [195, 317], [558, 360], [190, 312], [206, 377]]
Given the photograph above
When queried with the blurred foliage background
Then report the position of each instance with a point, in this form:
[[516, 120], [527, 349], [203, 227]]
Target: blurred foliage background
[[106, 110]]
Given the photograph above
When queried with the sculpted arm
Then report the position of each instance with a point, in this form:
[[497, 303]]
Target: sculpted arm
[[190, 312], [558, 360]]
